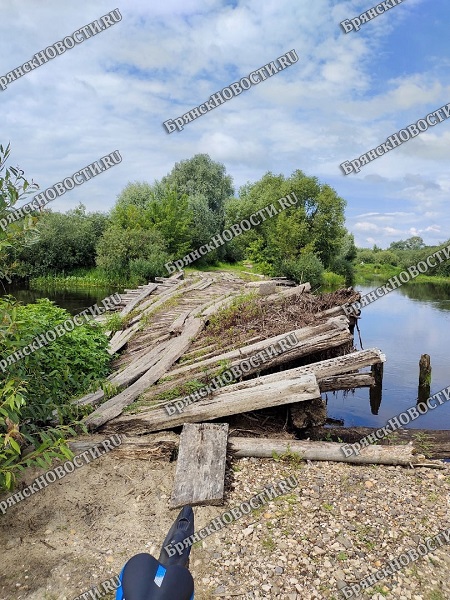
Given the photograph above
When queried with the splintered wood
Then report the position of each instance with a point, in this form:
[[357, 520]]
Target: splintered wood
[[200, 473]]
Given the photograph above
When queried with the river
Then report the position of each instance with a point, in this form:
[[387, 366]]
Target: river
[[405, 324]]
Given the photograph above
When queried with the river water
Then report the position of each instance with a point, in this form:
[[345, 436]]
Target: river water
[[405, 324]]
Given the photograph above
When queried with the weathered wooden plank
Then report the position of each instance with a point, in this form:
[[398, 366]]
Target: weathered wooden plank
[[329, 327], [140, 296], [200, 472], [293, 291], [174, 349], [346, 382], [177, 325], [117, 342], [221, 405]]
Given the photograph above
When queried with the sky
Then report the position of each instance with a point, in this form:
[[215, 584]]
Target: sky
[[345, 96]]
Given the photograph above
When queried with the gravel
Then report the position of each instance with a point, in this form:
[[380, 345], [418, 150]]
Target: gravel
[[340, 525]]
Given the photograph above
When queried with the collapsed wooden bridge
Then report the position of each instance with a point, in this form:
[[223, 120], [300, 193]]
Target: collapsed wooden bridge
[[167, 350]]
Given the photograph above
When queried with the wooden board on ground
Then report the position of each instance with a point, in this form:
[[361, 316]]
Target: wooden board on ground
[[200, 473]]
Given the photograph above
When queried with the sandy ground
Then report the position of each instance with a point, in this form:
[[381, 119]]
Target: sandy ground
[[81, 530]]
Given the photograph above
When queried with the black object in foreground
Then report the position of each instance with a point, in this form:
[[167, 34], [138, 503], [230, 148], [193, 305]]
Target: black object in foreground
[[145, 578]]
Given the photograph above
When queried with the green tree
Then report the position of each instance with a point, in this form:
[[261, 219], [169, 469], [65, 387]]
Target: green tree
[[122, 253], [412, 243], [314, 226], [66, 241], [201, 175]]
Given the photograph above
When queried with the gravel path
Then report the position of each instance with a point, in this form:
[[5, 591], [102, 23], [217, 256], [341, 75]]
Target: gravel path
[[341, 524]]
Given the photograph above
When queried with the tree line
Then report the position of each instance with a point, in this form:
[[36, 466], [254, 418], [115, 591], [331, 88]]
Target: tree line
[[151, 224]]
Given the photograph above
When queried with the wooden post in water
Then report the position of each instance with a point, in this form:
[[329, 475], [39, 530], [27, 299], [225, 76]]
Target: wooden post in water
[[376, 391], [424, 378]]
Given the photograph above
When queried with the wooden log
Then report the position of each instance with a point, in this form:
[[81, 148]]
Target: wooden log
[[346, 382], [162, 446], [293, 291], [424, 391], [376, 392], [139, 298], [435, 444], [329, 327], [330, 451], [174, 349], [221, 405], [200, 472], [157, 446]]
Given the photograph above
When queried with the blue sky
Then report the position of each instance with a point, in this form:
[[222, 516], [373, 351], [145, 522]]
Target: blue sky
[[345, 96]]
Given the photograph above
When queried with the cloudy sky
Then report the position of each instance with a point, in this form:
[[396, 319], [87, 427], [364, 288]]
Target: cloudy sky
[[345, 96]]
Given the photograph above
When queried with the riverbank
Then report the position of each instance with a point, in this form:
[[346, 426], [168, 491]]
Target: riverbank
[[367, 273], [339, 525]]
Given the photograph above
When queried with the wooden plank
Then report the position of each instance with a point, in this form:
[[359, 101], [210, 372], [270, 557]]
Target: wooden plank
[[328, 328], [346, 382], [140, 296], [177, 325], [121, 338], [174, 349], [200, 473], [222, 405]]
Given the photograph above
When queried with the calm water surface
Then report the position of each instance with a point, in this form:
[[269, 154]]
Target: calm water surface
[[405, 324]]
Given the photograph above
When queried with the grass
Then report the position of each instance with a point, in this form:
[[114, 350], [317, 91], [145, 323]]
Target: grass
[[293, 458], [369, 272], [238, 269], [82, 278]]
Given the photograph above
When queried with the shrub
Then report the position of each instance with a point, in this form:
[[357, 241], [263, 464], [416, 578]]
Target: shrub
[[57, 372], [305, 268]]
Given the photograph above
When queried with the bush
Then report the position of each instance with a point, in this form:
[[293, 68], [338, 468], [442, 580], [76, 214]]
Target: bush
[[305, 268], [333, 279], [344, 267], [57, 372]]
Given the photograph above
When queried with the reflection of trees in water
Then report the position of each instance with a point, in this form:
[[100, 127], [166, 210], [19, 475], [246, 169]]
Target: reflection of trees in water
[[439, 294]]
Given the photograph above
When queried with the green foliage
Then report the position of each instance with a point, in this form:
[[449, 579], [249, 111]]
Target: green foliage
[[79, 279], [332, 279], [45, 445], [66, 241], [54, 374], [314, 226], [305, 268], [126, 252], [412, 243], [200, 175]]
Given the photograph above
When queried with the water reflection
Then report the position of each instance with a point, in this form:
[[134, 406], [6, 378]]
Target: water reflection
[[405, 324], [72, 301]]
